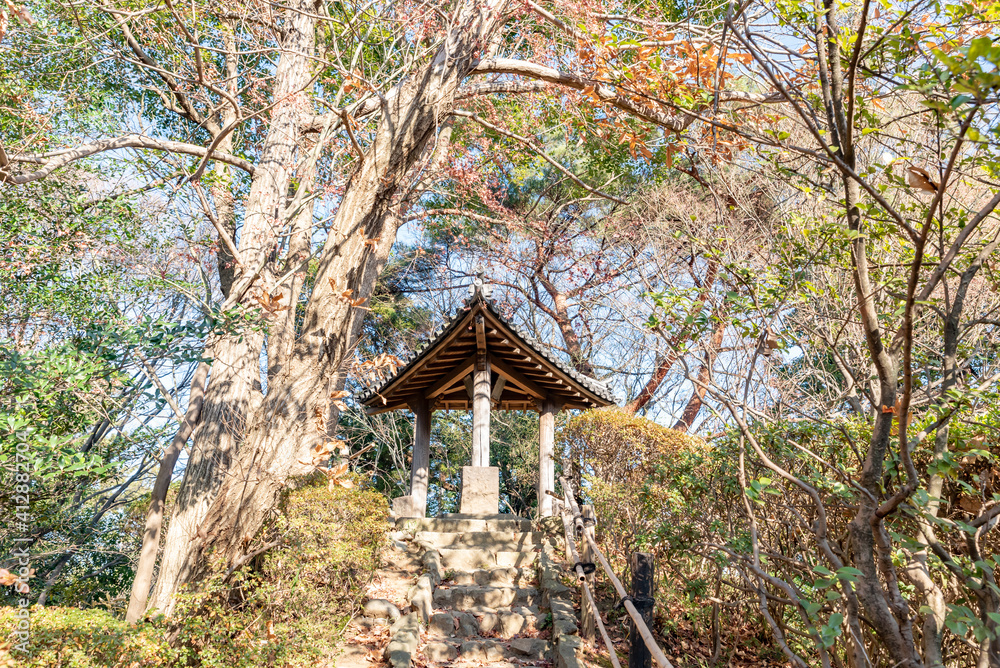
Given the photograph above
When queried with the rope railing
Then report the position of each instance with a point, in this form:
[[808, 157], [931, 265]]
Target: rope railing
[[626, 600]]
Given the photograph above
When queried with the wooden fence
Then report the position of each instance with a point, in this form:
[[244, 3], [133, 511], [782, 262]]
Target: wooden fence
[[580, 524]]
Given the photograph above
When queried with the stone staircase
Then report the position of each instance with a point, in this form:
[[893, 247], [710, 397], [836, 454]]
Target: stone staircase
[[484, 591]]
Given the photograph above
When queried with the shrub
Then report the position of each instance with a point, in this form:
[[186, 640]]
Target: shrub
[[332, 547], [639, 475], [287, 610], [74, 638]]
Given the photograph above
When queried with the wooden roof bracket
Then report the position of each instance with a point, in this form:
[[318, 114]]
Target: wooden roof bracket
[[480, 343], [516, 377], [454, 376]]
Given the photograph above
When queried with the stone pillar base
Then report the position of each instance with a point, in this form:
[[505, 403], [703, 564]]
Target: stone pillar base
[[406, 506], [480, 490]]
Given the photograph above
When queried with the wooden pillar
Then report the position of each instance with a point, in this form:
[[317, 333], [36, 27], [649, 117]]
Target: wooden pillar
[[420, 465], [546, 460], [481, 411], [642, 598]]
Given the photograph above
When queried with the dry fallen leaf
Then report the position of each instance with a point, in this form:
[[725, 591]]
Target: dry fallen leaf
[[970, 504]]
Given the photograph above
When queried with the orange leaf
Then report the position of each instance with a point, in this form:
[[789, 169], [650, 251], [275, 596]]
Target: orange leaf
[[346, 483]]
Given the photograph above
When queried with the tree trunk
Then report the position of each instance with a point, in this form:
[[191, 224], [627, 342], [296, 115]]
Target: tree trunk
[[697, 399], [233, 395], [282, 336], [154, 517], [280, 435], [664, 361]]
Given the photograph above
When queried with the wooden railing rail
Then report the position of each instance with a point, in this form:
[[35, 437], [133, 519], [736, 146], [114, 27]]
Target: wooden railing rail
[[637, 618], [582, 575]]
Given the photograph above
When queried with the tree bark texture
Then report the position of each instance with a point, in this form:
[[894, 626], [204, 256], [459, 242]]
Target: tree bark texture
[[154, 517], [276, 433], [233, 394]]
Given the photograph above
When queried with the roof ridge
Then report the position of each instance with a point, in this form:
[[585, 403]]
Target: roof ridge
[[483, 293]]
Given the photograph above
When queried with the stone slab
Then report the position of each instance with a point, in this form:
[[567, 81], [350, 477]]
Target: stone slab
[[455, 523], [480, 490], [494, 540], [406, 507]]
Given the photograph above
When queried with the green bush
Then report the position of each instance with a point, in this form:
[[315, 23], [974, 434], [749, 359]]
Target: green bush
[[74, 638], [289, 609], [332, 547]]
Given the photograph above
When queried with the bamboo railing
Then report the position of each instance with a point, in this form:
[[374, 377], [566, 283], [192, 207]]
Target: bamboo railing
[[572, 510]]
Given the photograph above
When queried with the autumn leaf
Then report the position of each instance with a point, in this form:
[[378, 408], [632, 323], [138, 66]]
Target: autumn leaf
[[271, 303], [970, 504], [336, 397]]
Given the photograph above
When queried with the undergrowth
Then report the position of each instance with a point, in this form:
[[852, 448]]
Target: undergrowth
[[288, 609]]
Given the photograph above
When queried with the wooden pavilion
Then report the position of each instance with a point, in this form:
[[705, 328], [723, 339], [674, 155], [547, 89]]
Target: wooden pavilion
[[480, 361]]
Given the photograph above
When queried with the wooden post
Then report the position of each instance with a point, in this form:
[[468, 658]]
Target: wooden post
[[587, 556], [642, 598], [546, 460], [481, 412], [420, 466]]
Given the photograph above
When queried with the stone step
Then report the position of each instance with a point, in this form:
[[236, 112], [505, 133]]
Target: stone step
[[467, 516], [480, 558], [507, 559], [508, 541], [487, 651], [509, 577], [471, 597], [462, 525]]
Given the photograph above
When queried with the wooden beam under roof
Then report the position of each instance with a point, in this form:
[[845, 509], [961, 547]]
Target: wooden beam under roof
[[592, 397], [480, 333], [439, 347], [498, 388], [453, 376], [516, 377]]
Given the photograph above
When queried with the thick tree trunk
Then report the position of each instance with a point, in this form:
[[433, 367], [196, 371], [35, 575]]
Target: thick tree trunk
[[282, 336], [233, 395], [281, 434]]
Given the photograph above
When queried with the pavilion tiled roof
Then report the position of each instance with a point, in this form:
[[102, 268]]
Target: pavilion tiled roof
[[516, 354]]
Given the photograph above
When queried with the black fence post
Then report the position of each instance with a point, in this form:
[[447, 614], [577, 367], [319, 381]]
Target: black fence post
[[642, 598]]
